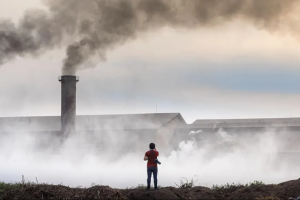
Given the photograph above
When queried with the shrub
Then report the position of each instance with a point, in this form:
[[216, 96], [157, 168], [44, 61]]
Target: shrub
[[186, 184]]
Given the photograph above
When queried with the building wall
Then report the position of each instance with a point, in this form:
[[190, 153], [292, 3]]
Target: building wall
[[119, 140], [286, 139], [165, 135]]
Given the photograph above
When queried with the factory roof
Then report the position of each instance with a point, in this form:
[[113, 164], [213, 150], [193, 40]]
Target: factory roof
[[90, 122], [259, 122]]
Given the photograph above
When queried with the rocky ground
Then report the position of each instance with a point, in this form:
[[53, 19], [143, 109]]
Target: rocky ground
[[286, 190]]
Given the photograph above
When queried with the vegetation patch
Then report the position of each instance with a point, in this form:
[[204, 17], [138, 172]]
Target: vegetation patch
[[236, 185], [186, 183]]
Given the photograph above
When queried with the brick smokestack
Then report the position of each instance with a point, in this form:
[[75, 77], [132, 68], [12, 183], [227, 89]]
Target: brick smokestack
[[68, 104]]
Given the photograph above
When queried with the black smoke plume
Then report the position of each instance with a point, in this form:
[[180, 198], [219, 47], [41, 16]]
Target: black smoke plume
[[91, 27]]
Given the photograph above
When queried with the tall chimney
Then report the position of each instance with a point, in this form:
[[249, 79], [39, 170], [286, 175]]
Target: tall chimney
[[68, 104]]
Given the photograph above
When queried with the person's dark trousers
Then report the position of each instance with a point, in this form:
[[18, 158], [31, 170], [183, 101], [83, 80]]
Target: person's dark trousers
[[151, 170]]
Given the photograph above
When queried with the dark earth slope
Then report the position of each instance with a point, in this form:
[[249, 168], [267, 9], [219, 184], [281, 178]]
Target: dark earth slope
[[284, 190]]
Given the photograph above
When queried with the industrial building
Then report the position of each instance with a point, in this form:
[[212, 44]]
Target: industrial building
[[153, 122], [156, 127], [166, 129]]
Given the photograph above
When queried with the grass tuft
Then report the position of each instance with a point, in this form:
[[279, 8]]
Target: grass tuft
[[17, 185], [186, 184], [236, 185]]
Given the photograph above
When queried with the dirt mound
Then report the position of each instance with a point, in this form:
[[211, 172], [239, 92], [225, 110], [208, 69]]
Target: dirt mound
[[171, 193], [62, 192], [292, 188], [259, 192], [283, 190]]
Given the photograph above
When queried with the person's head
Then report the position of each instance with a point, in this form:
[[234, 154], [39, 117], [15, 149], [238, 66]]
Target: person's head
[[152, 146]]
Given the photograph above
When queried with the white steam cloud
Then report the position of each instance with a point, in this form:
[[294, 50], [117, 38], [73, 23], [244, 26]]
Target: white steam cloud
[[90, 158]]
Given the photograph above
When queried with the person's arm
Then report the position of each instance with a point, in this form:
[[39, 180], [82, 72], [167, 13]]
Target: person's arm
[[146, 157], [157, 152]]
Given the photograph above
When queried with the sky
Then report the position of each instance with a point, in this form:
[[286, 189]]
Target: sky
[[227, 71], [232, 70]]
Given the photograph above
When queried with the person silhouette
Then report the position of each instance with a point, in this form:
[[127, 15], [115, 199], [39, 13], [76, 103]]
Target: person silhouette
[[150, 156]]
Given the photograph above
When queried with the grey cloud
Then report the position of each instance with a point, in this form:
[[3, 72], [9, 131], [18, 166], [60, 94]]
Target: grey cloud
[[101, 25]]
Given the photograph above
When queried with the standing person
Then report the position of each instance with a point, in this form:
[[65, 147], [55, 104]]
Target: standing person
[[151, 155]]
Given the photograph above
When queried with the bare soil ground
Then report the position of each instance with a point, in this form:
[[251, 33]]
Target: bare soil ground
[[283, 190]]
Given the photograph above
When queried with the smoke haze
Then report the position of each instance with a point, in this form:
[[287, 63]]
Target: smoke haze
[[106, 159], [93, 27]]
